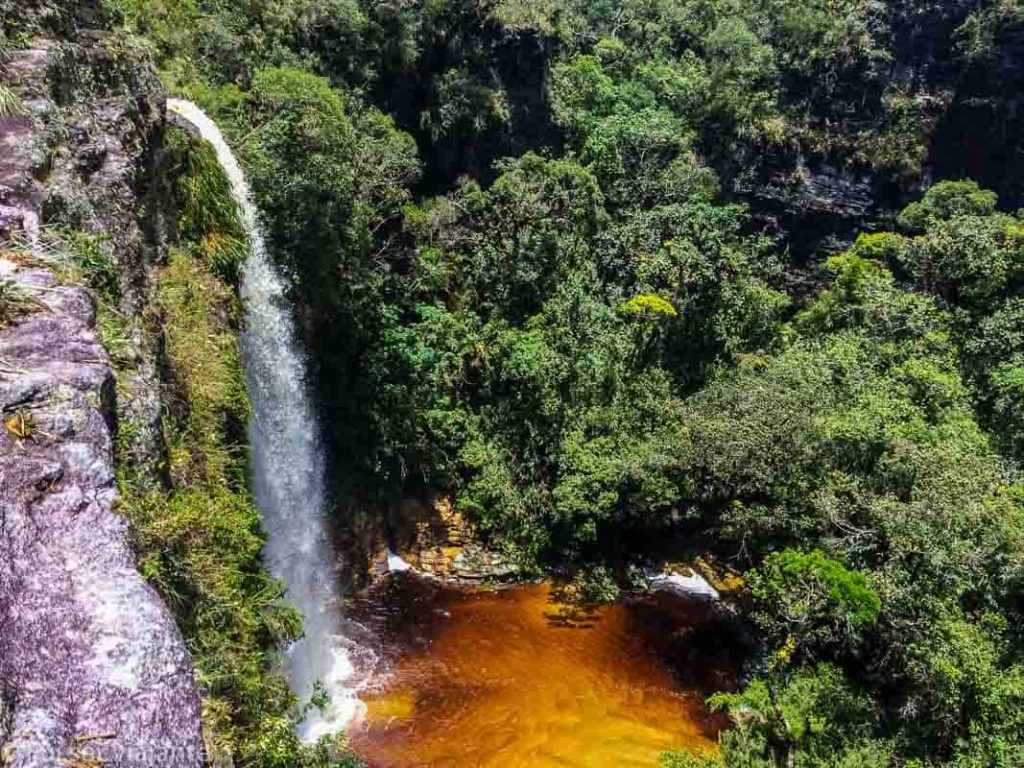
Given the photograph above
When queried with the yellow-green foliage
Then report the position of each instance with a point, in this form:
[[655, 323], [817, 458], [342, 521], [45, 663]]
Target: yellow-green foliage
[[546, 16], [205, 353], [648, 305], [880, 246], [10, 104]]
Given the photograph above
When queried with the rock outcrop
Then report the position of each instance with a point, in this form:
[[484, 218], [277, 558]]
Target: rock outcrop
[[435, 539], [93, 669], [692, 585]]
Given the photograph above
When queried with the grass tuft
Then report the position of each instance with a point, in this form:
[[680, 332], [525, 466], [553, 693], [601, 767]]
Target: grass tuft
[[10, 104]]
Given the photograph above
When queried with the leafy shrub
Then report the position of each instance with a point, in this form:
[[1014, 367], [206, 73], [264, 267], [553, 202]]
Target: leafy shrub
[[946, 200], [647, 305], [810, 601], [596, 585]]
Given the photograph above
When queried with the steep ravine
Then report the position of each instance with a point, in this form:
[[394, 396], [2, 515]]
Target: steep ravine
[[92, 664]]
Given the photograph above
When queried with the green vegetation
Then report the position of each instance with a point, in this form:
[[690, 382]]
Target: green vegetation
[[862, 438], [10, 104], [810, 600], [812, 718], [520, 251]]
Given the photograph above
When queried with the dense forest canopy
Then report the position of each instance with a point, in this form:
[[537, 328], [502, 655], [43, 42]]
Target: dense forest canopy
[[746, 271]]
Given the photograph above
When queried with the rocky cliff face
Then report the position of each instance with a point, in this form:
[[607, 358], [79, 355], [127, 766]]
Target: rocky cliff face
[[93, 670]]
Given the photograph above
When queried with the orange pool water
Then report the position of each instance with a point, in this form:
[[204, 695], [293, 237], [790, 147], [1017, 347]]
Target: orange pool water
[[513, 678]]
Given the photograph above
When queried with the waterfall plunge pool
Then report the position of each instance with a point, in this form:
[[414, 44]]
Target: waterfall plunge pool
[[513, 677], [473, 676]]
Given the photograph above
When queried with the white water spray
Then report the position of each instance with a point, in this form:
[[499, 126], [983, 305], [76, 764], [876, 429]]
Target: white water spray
[[287, 461]]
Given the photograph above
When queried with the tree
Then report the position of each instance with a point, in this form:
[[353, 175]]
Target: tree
[[806, 602], [813, 718]]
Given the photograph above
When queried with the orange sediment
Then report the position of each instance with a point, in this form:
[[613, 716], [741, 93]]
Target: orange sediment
[[512, 678]]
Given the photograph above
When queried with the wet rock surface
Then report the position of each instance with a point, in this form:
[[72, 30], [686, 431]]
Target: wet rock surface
[[91, 662], [436, 539], [688, 584], [93, 669], [475, 564]]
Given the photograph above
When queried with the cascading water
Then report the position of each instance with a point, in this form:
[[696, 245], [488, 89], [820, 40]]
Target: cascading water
[[287, 463]]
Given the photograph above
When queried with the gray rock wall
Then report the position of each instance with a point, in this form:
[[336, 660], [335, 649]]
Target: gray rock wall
[[92, 665]]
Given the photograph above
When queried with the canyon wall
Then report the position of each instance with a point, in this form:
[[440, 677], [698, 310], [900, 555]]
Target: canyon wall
[[92, 664]]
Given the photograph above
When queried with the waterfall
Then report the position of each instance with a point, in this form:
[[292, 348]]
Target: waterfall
[[287, 461]]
